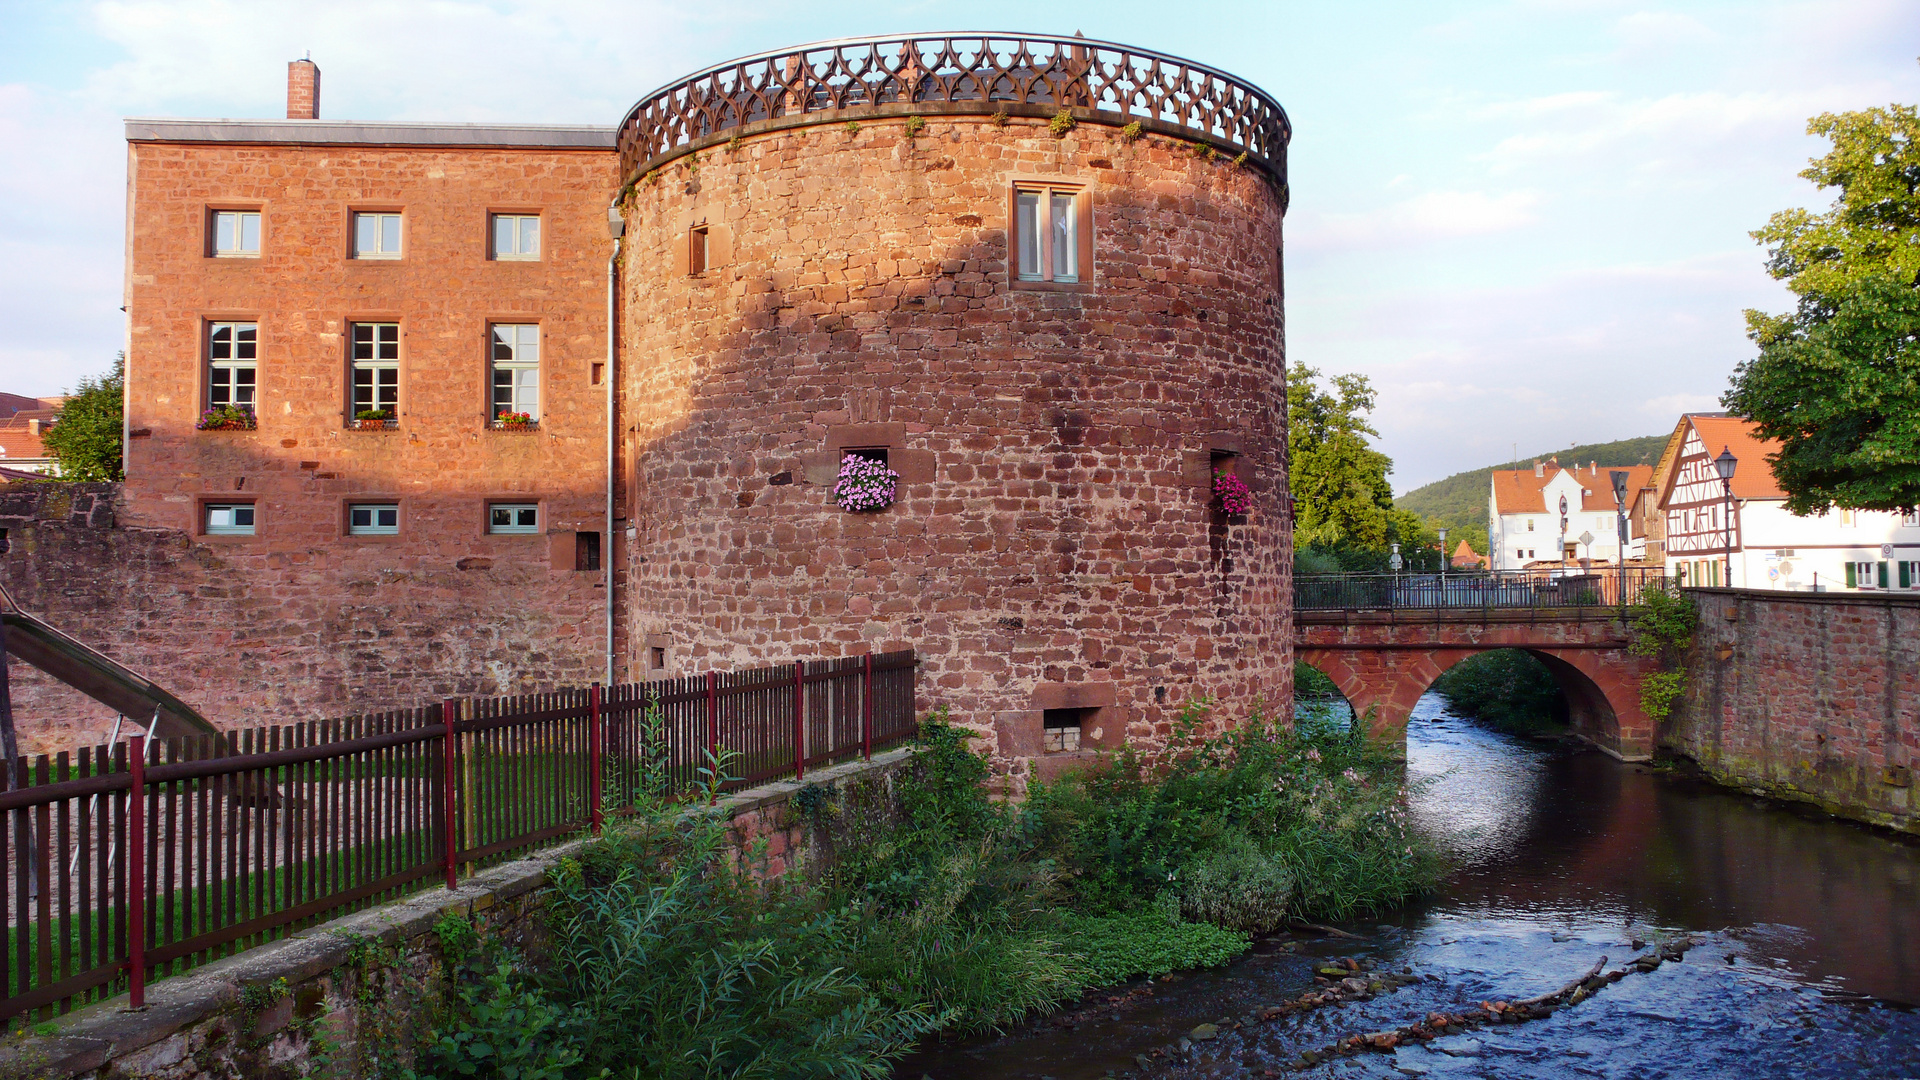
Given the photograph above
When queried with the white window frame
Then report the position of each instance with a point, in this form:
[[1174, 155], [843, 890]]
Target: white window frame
[[1866, 575], [239, 222], [1847, 519], [518, 226], [373, 519], [513, 351], [1910, 519], [1045, 242], [224, 519], [380, 219], [382, 338], [225, 362], [516, 524], [1913, 574]]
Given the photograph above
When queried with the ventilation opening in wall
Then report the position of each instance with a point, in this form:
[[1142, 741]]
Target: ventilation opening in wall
[[871, 453], [596, 374], [586, 551], [697, 250], [1060, 728], [1223, 461], [657, 658]]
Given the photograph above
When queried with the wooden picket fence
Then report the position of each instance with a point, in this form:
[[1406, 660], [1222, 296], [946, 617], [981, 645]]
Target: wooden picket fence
[[126, 863]]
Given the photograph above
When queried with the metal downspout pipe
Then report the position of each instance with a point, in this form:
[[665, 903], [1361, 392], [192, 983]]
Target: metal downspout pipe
[[617, 226]]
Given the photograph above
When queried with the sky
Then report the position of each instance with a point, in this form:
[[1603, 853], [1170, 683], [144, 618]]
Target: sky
[[1527, 222]]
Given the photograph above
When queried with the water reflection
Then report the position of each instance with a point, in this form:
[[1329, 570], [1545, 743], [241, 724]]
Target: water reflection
[[1809, 931]]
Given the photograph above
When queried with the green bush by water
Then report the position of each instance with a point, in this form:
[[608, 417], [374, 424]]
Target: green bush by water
[[1507, 688]]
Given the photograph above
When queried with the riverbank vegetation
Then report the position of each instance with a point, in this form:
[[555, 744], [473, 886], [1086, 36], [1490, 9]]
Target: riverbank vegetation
[[953, 912], [1508, 689]]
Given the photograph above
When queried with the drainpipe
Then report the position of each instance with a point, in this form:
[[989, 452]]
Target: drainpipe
[[617, 227]]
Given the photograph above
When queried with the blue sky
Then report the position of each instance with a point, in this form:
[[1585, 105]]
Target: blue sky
[[1526, 221]]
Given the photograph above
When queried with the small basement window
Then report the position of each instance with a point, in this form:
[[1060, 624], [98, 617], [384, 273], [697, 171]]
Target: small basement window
[[657, 658], [373, 519], [1060, 728], [505, 518], [229, 519], [586, 551]]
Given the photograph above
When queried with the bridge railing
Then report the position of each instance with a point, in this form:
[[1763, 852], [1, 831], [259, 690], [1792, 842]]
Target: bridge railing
[[1507, 590]]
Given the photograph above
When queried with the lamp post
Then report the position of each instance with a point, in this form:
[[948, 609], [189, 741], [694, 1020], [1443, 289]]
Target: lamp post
[[1724, 465], [1619, 478], [1560, 555], [1443, 559]]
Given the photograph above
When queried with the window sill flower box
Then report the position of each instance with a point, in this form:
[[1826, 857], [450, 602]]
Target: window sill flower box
[[227, 418], [373, 420], [1234, 497], [865, 485], [515, 422]]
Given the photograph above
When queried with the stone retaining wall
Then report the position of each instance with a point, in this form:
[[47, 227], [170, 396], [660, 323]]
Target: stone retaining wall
[[1807, 697], [325, 1000]]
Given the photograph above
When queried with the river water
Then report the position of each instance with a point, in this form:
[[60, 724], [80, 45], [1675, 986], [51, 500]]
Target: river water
[[1805, 959]]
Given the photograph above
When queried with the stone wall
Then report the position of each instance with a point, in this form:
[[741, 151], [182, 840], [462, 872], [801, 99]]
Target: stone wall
[[254, 637], [1055, 543], [1809, 697], [323, 1001]]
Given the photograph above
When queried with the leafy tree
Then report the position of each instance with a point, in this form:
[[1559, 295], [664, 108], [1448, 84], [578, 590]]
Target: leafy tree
[[1837, 381], [86, 437], [1344, 510]]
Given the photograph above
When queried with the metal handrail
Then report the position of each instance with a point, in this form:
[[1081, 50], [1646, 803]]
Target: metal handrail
[[980, 69], [1527, 590]]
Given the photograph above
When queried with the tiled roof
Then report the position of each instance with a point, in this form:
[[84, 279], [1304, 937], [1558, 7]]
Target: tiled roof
[[1519, 491], [1753, 476]]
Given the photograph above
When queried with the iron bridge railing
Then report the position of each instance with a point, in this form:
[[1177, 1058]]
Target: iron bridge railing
[[1523, 590], [967, 72]]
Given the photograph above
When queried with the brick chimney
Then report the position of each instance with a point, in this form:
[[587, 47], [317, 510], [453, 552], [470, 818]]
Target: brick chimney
[[303, 90]]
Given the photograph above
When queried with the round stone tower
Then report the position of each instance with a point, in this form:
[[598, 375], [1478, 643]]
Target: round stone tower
[[1040, 278]]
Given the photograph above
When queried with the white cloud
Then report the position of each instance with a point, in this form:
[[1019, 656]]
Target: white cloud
[[1435, 215]]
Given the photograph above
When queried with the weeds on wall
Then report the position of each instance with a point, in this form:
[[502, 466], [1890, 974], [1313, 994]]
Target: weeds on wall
[[1662, 622], [916, 125], [1132, 132], [1061, 123]]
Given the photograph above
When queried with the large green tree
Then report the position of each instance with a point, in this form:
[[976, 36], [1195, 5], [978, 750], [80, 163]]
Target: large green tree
[[86, 437], [1837, 381], [1344, 512]]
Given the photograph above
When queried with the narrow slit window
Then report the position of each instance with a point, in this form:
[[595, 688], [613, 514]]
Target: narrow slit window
[[516, 372], [586, 551], [657, 658], [511, 518], [232, 364], [697, 250], [376, 374]]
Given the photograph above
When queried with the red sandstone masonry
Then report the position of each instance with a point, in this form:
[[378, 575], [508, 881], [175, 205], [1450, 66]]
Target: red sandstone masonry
[[1810, 697], [1053, 533]]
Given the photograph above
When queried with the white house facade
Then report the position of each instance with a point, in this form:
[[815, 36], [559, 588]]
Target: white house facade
[[1525, 526], [1740, 534]]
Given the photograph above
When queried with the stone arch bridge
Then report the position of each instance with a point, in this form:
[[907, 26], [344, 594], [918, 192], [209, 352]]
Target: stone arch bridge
[[1384, 639]]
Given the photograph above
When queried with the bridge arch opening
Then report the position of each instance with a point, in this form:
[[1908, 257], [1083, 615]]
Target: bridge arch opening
[[1529, 691], [1319, 702]]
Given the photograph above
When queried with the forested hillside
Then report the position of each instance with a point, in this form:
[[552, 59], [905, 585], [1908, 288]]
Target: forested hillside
[[1460, 501]]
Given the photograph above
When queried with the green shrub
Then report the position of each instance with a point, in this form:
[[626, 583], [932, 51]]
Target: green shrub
[[1238, 886], [1150, 942], [503, 1025], [1507, 688]]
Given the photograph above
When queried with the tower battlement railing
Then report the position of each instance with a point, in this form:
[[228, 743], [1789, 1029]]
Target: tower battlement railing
[[950, 74]]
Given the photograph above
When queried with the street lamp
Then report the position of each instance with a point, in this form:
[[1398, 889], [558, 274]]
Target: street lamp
[[1560, 555], [1443, 559], [1619, 478], [1724, 466]]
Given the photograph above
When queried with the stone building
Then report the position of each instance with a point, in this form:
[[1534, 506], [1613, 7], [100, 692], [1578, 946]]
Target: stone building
[[1040, 279]]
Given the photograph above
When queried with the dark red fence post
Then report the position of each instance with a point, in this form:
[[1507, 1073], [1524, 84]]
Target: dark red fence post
[[713, 727], [799, 719], [866, 708], [448, 710], [136, 871], [593, 754]]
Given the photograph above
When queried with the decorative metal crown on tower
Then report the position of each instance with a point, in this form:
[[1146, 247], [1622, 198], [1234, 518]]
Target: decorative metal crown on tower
[[955, 74]]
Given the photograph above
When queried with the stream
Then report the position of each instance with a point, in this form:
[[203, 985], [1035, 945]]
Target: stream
[[1802, 934]]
